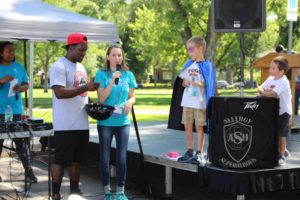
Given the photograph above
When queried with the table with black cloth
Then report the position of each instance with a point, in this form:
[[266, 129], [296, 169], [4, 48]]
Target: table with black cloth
[[243, 148]]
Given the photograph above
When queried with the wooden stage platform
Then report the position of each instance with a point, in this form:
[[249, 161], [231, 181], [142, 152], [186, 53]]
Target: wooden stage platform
[[158, 140]]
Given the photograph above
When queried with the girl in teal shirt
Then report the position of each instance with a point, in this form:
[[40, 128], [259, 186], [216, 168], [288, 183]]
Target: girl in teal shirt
[[11, 70], [116, 89]]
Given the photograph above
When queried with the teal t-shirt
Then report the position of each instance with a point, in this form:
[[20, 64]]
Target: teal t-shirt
[[17, 71], [118, 95]]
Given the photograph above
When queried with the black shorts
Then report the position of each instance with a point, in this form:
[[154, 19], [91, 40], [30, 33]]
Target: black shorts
[[70, 146], [284, 125]]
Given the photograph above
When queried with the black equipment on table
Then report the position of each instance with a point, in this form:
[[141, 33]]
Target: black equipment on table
[[19, 126]]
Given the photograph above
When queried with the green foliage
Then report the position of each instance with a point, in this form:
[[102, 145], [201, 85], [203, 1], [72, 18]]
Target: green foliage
[[153, 34]]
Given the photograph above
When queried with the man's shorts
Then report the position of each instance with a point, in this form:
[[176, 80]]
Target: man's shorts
[[284, 125], [189, 115], [70, 146]]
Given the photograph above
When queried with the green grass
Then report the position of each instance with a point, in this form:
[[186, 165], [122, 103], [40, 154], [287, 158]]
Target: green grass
[[150, 100], [236, 92], [46, 114], [146, 117], [153, 99], [143, 96], [151, 104]]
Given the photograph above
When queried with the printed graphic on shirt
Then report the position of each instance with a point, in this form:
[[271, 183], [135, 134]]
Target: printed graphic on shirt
[[80, 79], [193, 96], [194, 75]]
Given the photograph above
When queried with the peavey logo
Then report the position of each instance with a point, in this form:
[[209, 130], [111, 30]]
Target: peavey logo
[[251, 105], [237, 135]]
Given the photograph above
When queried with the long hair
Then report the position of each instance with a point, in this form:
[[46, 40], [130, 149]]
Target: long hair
[[107, 63], [2, 47]]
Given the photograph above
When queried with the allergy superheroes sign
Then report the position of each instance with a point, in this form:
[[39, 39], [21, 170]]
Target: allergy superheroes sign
[[243, 132], [237, 136]]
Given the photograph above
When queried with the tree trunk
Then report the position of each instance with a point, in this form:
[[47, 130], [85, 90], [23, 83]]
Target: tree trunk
[[46, 81], [211, 39], [187, 32], [174, 74], [154, 75], [229, 75], [48, 57]]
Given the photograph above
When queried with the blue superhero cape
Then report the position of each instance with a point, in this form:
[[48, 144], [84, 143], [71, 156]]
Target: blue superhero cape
[[209, 75]]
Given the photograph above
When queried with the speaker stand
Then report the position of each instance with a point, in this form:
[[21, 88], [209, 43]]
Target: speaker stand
[[242, 63]]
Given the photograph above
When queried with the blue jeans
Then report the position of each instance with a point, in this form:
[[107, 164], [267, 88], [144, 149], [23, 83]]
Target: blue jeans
[[106, 134]]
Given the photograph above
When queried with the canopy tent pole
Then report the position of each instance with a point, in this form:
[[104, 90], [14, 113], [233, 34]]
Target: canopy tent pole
[[25, 65], [31, 61], [31, 82]]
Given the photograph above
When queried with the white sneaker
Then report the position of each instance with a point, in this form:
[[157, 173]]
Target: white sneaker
[[281, 161], [287, 154], [198, 159]]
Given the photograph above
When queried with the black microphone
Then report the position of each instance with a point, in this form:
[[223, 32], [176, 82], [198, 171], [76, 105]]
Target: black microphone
[[16, 96], [118, 69]]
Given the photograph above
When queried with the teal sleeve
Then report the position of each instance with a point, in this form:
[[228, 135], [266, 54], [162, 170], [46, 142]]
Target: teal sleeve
[[132, 81], [24, 73], [100, 78]]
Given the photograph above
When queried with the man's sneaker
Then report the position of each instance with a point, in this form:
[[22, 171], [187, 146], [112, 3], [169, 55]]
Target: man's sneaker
[[187, 157], [197, 159], [31, 178], [55, 197], [76, 191], [108, 196], [281, 160], [120, 196], [287, 154]]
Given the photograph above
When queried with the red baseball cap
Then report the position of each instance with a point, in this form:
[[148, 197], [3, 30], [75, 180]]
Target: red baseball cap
[[76, 38]]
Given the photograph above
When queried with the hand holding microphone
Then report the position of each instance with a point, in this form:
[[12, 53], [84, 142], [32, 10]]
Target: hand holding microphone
[[117, 74]]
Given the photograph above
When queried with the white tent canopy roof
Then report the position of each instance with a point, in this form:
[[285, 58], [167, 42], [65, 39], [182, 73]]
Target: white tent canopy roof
[[38, 21]]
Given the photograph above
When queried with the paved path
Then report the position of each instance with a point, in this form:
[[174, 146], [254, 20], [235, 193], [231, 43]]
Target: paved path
[[184, 188]]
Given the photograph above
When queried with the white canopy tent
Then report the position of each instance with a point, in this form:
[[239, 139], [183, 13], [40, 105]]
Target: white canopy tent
[[38, 21], [33, 20]]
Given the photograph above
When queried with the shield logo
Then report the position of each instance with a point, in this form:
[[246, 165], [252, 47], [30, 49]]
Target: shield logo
[[237, 139]]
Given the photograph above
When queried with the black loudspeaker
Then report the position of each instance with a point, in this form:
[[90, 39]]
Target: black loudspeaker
[[239, 15], [243, 132]]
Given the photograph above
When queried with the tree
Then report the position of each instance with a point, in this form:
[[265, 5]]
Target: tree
[[44, 56], [160, 34], [153, 33], [47, 52]]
